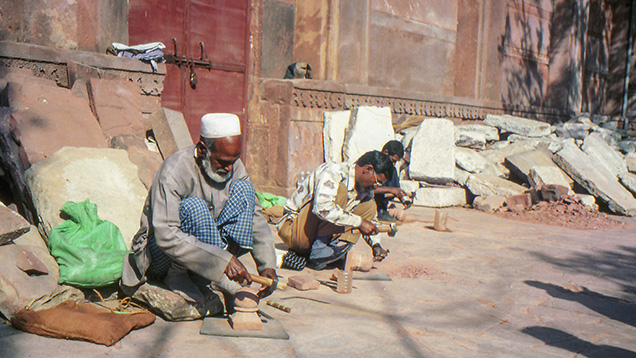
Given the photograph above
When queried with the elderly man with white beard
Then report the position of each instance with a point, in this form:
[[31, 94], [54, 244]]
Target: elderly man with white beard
[[201, 213]]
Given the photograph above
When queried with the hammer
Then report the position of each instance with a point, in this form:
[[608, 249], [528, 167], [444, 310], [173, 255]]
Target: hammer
[[390, 229], [269, 282]]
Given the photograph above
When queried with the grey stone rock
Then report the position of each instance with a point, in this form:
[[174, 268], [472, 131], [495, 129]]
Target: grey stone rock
[[17, 287], [498, 157], [461, 176], [627, 146], [333, 133], [470, 160], [488, 185], [173, 307], [489, 203], [588, 200], [12, 225], [601, 153], [518, 125], [409, 186], [369, 129], [440, 197], [573, 130], [475, 135], [106, 177], [591, 175], [629, 181], [433, 152], [611, 137], [630, 161]]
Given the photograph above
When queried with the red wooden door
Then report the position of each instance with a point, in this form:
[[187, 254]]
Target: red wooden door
[[222, 26]]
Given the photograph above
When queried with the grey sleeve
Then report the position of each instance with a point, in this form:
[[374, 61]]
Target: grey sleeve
[[263, 253]]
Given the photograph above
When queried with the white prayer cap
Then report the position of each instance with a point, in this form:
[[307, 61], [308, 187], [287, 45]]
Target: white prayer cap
[[220, 125]]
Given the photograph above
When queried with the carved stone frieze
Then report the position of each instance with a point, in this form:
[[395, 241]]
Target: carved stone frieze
[[331, 100], [57, 72]]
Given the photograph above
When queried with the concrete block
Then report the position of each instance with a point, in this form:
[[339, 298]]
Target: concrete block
[[518, 125], [489, 203], [46, 117], [440, 197], [475, 135], [629, 181], [595, 180], [369, 129], [601, 153], [303, 283], [519, 202], [12, 225], [409, 186], [170, 130], [470, 160], [333, 133], [433, 152], [542, 175], [488, 185], [106, 177], [117, 106]]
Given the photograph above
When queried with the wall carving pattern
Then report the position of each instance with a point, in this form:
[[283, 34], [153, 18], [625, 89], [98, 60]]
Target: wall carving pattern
[[57, 72], [331, 100], [150, 84]]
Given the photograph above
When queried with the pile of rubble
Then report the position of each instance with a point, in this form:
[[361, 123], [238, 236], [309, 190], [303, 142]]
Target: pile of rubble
[[496, 160]]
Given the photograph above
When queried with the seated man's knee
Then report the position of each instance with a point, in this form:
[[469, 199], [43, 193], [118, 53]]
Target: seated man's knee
[[243, 187], [191, 204]]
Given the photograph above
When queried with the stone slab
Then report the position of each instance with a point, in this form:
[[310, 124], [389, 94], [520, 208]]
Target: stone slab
[[488, 185], [590, 175], [541, 175], [489, 203], [475, 135], [603, 154], [519, 202], [433, 152], [303, 283], [497, 156], [470, 160], [106, 177], [521, 163], [629, 181], [333, 133], [12, 225], [117, 106], [18, 288], [518, 125], [170, 130], [214, 326], [369, 129], [627, 146], [46, 118], [587, 200], [461, 176], [572, 130], [433, 197]]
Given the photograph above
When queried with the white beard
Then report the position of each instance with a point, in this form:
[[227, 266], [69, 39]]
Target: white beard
[[219, 176]]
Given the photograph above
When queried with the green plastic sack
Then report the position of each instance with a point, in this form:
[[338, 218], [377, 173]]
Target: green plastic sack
[[268, 200], [89, 251]]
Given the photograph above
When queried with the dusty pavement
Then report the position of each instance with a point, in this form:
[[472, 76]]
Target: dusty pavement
[[490, 287]]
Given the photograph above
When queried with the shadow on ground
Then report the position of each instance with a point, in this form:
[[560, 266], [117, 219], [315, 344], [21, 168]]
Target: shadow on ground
[[564, 340]]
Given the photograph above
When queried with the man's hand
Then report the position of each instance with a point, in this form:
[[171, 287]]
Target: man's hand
[[368, 228], [267, 290], [379, 253], [235, 271]]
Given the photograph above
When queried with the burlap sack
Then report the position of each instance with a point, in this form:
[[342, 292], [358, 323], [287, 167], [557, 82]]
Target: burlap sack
[[86, 322]]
